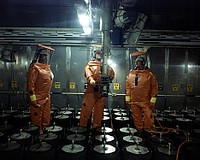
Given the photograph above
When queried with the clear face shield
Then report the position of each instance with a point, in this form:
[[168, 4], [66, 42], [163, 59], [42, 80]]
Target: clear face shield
[[99, 57], [138, 59], [138, 62], [44, 56]]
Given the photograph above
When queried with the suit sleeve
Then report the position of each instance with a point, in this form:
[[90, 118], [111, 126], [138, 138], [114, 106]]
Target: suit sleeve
[[88, 73], [32, 77], [128, 91]]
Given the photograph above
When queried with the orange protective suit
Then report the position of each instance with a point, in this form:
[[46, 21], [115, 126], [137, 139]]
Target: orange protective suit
[[142, 87], [39, 84], [93, 95]]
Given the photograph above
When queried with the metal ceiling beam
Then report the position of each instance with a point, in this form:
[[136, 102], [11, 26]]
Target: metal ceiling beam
[[167, 38], [75, 37], [53, 36]]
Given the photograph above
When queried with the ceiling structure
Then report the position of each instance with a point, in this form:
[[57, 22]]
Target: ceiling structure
[[169, 22]]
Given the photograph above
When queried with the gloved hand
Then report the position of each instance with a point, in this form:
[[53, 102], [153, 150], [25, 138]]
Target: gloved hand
[[152, 102], [92, 82], [34, 101], [35, 104], [152, 105], [128, 100]]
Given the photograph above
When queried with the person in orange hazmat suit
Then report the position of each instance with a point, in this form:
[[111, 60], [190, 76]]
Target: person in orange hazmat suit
[[93, 98], [39, 82], [141, 93]]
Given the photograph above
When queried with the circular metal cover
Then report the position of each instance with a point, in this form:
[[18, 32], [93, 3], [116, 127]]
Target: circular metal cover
[[175, 115], [9, 147], [128, 130], [194, 115], [105, 113], [183, 120], [40, 147], [79, 129], [54, 129], [78, 117], [106, 110], [27, 112], [48, 136], [71, 109], [168, 119], [11, 111], [118, 109], [166, 151], [197, 131], [186, 110], [105, 149], [68, 108], [20, 136], [159, 139], [31, 128], [134, 139], [160, 118], [22, 116], [105, 118], [54, 109], [65, 112], [137, 149], [159, 114], [51, 112], [122, 118], [106, 138], [76, 137], [61, 117], [120, 114], [72, 148], [104, 129], [79, 112], [167, 111]]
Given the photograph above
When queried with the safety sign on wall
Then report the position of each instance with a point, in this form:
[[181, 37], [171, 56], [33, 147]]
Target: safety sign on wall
[[14, 84], [175, 88], [160, 87], [1, 84], [72, 85], [57, 84], [189, 88], [116, 86]]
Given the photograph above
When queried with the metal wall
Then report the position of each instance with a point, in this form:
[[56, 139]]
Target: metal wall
[[177, 71]]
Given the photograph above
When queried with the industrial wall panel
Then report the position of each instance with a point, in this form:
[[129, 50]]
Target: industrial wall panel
[[177, 71]]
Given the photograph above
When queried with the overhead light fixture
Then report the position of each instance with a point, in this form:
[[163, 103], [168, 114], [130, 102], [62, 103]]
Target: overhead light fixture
[[84, 15], [87, 31], [86, 1]]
